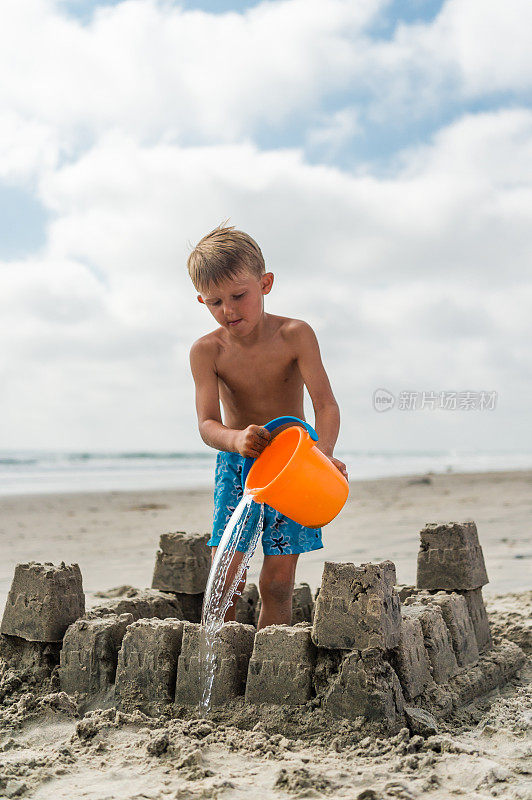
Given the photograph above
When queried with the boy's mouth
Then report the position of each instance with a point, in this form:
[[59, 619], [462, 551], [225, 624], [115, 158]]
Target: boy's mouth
[[235, 322]]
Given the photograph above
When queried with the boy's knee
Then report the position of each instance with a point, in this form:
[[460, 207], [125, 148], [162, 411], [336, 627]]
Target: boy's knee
[[278, 589]]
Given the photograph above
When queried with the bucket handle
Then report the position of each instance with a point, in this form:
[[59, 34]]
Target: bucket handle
[[270, 426]]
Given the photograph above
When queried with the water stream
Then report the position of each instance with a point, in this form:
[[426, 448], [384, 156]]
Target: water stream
[[216, 601]]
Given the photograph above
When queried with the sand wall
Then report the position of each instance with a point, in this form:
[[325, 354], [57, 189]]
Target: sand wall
[[365, 649]]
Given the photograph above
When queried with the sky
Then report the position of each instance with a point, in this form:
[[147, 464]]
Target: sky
[[379, 151]]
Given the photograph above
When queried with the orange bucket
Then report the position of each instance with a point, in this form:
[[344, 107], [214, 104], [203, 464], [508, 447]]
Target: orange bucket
[[294, 477]]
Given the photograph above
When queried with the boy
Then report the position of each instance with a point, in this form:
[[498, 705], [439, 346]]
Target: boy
[[256, 364]]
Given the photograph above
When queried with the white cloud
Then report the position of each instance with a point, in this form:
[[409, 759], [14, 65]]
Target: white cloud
[[334, 131], [472, 49], [157, 71], [152, 68], [488, 42], [416, 279], [137, 132], [27, 148]]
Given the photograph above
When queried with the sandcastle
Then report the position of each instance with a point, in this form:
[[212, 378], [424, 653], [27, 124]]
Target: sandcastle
[[365, 649]]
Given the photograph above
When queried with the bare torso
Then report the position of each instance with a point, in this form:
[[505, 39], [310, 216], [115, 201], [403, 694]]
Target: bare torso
[[260, 382]]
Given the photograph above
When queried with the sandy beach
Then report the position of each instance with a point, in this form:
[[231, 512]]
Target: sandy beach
[[47, 749], [114, 536]]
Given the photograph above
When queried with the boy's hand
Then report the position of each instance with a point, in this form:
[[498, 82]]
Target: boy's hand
[[341, 466], [252, 440]]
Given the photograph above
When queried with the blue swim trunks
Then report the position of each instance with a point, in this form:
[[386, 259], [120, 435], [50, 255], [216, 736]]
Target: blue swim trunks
[[280, 535]]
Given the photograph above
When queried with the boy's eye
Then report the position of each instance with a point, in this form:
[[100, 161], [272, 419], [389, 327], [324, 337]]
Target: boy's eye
[[236, 296]]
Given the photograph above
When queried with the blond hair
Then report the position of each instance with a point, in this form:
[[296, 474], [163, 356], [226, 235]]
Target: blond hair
[[224, 253]]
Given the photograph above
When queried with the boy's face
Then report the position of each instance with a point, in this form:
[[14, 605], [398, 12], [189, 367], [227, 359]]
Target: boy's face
[[236, 303]]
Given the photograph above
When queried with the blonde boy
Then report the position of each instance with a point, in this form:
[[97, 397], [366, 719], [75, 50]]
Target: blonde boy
[[257, 364]]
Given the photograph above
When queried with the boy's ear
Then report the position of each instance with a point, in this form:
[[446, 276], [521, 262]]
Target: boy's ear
[[200, 299], [267, 282]]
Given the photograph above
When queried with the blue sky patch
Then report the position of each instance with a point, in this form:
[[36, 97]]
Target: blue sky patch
[[22, 223]]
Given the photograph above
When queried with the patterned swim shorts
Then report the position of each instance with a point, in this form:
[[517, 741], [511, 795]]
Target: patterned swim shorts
[[280, 535]]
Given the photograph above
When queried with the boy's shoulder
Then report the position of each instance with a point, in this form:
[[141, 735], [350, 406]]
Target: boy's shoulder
[[288, 327], [296, 331], [204, 349], [205, 341], [295, 326]]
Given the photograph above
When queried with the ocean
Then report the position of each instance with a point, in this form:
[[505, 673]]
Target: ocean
[[36, 472]]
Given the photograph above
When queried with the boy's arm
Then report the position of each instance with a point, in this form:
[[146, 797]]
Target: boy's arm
[[326, 411], [213, 432], [249, 442]]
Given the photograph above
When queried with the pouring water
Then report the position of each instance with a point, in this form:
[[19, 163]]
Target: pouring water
[[217, 602]]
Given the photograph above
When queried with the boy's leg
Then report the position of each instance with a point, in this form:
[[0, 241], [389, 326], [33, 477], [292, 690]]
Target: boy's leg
[[276, 586], [283, 541], [231, 572]]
